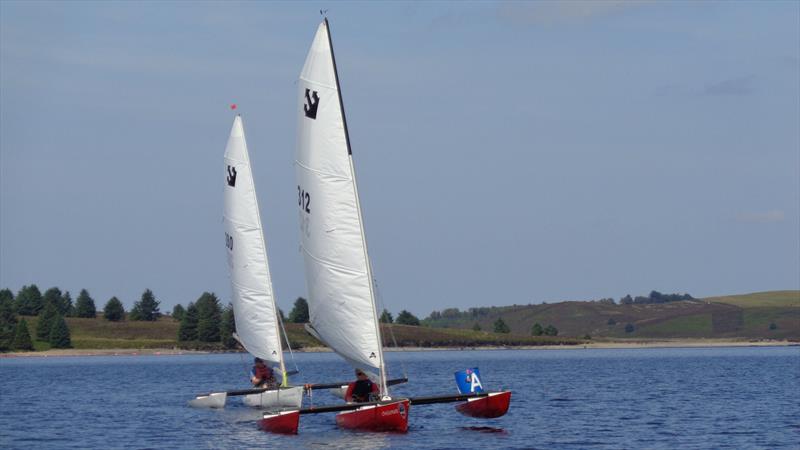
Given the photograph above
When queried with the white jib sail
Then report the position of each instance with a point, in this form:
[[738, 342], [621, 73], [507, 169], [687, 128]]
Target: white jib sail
[[253, 299], [341, 301]]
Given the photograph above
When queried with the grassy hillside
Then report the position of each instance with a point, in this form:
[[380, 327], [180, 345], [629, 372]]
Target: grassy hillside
[[761, 315], [739, 316]]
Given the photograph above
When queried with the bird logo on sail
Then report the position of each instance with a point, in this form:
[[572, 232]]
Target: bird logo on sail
[[311, 105], [231, 176]]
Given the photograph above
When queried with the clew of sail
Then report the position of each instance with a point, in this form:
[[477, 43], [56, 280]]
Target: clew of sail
[[253, 299], [341, 302]]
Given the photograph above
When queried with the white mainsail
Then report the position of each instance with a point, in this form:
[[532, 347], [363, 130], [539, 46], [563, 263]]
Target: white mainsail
[[341, 299], [253, 299]]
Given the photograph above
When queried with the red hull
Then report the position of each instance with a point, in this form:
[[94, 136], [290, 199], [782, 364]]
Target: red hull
[[285, 422], [494, 405], [388, 417]]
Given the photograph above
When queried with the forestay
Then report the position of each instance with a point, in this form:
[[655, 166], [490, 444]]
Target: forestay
[[341, 302], [253, 299]]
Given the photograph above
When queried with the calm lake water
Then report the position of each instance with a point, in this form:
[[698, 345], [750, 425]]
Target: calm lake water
[[577, 399]]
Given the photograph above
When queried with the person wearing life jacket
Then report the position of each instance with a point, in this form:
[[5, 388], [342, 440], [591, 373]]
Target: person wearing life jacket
[[361, 390], [261, 375]]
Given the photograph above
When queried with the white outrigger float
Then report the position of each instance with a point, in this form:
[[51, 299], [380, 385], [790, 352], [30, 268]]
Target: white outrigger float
[[257, 321]]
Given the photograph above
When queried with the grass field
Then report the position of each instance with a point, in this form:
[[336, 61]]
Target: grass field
[[760, 299]]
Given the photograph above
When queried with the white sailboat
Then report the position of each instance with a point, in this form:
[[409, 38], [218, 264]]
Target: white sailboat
[[253, 299], [341, 297]]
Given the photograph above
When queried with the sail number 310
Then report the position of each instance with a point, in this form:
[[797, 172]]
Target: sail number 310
[[304, 200]]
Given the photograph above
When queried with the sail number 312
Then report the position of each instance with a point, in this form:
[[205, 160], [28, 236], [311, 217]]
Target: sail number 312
[[304, 200]]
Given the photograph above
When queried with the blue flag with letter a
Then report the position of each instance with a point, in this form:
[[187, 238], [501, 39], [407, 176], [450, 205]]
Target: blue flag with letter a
[[469, 381]]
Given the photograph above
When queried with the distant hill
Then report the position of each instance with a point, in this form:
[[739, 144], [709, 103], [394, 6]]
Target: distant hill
[[760, 315]]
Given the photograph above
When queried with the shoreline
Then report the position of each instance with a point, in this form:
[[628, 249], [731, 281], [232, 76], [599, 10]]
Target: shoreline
[[666, 343]]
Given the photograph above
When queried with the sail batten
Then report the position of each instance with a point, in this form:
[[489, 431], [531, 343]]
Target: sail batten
[[341, 300], [252, 296]]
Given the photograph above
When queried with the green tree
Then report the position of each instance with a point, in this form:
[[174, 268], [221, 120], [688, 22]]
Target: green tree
[[386, 317], [59, 334], [67, 308], [147, 308], [500, 326], [476, 327], [629, 328], [611, 322], [22, 338], [46, 319], [188, 328], [773, 326], [209, 315], [114, 311], [299, 314], [178, 312], [537, 330], [551, 331], [406, 318], [54, 296], [8, 320], [84, 305], [227, 327], [29, 301]]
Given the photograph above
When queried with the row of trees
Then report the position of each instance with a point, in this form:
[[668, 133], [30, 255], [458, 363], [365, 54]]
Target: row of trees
[[51, 327], [500, 326], [29, 301], [205, 320]]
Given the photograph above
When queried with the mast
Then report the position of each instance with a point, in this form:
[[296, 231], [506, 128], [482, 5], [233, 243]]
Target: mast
[[382, 370]]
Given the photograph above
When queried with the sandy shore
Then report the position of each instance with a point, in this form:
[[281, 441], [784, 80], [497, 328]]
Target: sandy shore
[[667, 343]]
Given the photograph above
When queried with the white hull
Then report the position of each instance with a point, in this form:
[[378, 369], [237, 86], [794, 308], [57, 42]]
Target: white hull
[[291, 397]]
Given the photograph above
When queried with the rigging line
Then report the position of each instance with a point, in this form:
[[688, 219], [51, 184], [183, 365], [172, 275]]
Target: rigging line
[[379, 297], [288, 344]]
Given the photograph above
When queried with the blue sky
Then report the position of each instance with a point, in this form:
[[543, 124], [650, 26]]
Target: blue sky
[[506, 152]]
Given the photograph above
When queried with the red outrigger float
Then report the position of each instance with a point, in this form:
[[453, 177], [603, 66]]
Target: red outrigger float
[[495, 404]]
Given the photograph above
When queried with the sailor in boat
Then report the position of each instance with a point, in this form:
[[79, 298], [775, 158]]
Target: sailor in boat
[[361, 390], [261, 375]]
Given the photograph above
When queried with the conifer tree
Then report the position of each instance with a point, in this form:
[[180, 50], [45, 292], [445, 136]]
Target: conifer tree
[[22, 338], [227, 327], [299, 314], [59, 334], [29, 301], [146, 308], [46, 319], [500, 326], [84, 305], [209, 316], [178, 312], [188, 328], [52, 295], [386, 317], [476, 327], [8, 320], [114, 311], [537, 330], [551, 331], [406, 318], [67, 308]]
